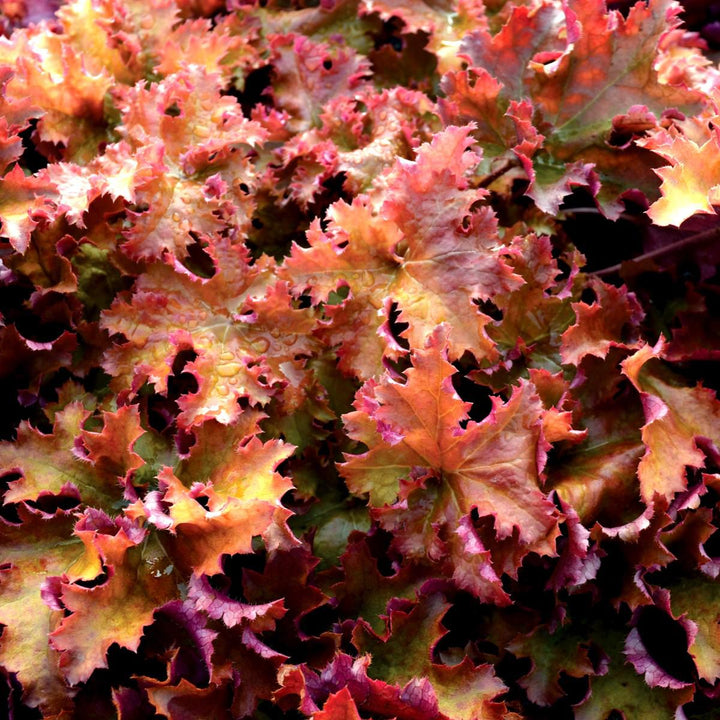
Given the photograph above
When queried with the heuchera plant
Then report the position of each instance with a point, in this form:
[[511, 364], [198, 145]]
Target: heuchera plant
[[359, 360]]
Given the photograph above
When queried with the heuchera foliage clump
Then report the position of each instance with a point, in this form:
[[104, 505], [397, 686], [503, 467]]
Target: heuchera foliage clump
[[359, 360]]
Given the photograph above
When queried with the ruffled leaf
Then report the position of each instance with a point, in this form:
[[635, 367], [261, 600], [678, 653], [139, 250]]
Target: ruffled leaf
[[36, 550], [130, 595], [677, 417], [244, 347], [71, 460], [489, 466]]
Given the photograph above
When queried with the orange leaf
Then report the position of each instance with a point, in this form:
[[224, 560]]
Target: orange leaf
[[422, 249], [128, 598], [611, 321], [233, 497], [35, 550], [56, 464], [676, 417], [309, 74], [23, 202], [249, 339], [691, 182], [491, 466], [338, 706]]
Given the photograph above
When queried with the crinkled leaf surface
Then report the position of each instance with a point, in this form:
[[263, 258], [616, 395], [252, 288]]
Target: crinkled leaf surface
[[413, 251], [580, 71], [690, 181], [242, 350], [463, 691], [132, 593], [222, 223], [195, 175], [676, 416], [200, 536], [309, 74], [36, 549], [72, 459], [489, 466]]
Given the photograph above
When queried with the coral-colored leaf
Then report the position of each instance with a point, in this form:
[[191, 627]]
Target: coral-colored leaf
[[360, 137], [423, 250], [339, 706], [110, 450], [184, 701], [67, 90], [38, 549], [607, 69], [129, 597], [243, 468], [224, 46], [88, 26], [72, 460], [534, 316], [113, 173], [194, 174], [187, 112], [240, 348], [213, 447], [10, 144], [489, 466], [200, 536], [25, 200], [307, 75], [676, 417], [581, 67], [690, 183], [16, 111], [611, 321]]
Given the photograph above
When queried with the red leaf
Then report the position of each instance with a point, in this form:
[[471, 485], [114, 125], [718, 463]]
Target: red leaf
[[339, 706], [611, 321]]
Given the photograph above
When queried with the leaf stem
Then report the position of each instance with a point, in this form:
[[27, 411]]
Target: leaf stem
[[594, 211], [690, 240], [490, 178]]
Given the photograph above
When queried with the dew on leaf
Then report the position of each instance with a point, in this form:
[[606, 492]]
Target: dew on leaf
[[260, 345], [227, 370]]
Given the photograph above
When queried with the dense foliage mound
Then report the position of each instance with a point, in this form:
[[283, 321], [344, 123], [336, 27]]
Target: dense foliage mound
[[359, 360]]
